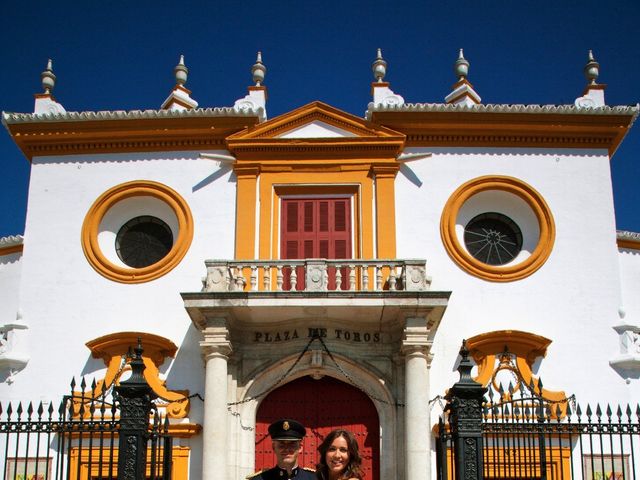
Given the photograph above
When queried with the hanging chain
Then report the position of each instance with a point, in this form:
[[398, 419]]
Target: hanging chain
[[348, 377], [351, 380]]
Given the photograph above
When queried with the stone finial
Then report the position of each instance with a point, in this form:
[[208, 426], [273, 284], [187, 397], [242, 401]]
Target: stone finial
[[48, 78], [379, 67], [258, 70], [461, 67], [591, 69], [593, 95], [463, 92], [180, 96], [181, 72]]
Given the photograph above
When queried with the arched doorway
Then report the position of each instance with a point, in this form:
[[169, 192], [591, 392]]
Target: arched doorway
[[321, 405]]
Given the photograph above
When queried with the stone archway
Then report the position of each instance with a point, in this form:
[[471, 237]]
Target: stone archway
[[321, 405]]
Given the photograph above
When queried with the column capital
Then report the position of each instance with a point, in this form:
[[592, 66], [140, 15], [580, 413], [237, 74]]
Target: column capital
[[416, 336], [216, 341]]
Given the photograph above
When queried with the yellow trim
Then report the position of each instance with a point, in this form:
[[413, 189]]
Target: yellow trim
[[621, 242], [315, 166], [128, 135], [527, 347], [179, 467], [458, 252], [520, 462], [110, 348], [137, 188], [498, 129], [11, 249]]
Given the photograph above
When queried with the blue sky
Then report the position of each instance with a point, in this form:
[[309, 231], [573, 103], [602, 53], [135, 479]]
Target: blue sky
[[120, 56]]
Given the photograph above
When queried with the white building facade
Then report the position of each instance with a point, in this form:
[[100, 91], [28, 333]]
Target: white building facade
[[319, 265]]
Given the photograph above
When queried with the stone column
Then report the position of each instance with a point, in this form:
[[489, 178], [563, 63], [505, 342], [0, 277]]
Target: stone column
[[216, 349], [417, 432]]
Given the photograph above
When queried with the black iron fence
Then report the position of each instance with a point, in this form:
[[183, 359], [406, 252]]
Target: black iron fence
[[516, 433], [94, 433]]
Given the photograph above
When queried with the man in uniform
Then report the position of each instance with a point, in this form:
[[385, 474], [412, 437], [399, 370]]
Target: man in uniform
[[286, 440]]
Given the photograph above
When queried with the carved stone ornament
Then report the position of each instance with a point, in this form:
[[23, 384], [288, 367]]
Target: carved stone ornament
[[316, 277]]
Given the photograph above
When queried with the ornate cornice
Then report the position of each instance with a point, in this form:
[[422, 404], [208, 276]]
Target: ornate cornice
[[630, 240], [534, 126], [114, 132], [11, 244]]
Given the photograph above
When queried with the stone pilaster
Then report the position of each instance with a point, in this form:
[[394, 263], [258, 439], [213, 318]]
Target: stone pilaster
[[216, 349], [415, 347]]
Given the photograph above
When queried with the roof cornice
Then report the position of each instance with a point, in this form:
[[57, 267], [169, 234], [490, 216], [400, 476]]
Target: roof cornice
[[11, 244], [119, 131], [534, 126], [626, 239]]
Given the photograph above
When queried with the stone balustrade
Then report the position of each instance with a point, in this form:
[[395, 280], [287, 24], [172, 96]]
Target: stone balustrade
[[315, 275]]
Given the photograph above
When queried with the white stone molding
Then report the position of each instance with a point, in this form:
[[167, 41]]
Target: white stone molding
[[47, 105], [254, 102], [316, 276], [179, 100], [13, 352], [593, 98], [383, 95], [627, 361], [463, 94]]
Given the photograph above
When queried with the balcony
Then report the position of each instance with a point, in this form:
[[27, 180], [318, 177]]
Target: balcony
[[272, 291], [316, 275]]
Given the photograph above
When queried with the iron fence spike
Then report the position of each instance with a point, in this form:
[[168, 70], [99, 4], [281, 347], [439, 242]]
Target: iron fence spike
[[83, 385], [510, 388], [638, 411], [598, 411], [558, 411], [579, 411], [589, 412], [609, 412], [30, 410], [619, 414], [0, 409], [40, 410], [19, 410], [628, 412], [569, 412], [73, 384], [9, 411]]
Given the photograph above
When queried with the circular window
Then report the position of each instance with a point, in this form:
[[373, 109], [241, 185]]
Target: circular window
[[137, 231], [497, 228], [143, 241], [493, 238]]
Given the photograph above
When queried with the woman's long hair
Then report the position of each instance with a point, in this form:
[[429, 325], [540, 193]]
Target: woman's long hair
[[353, 467]]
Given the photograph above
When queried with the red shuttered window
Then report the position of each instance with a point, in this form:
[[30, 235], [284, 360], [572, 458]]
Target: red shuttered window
[[316, 228]]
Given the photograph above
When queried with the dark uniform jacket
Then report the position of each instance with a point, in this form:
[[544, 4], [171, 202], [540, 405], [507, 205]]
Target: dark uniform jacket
[[277, 473]]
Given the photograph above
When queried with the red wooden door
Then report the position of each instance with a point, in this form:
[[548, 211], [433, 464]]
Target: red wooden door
[[321, 406], [316, 228]]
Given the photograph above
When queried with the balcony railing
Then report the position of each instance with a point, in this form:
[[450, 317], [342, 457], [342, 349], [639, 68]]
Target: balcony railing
[[315, 275]]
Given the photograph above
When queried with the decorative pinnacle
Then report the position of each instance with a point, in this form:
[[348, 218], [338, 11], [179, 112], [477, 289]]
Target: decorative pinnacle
[[461, 67], [181, 72], [258, 70], [379, 67], [48, 78], [592, 69]]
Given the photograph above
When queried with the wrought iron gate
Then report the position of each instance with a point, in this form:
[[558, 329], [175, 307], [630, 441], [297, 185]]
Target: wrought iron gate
[[115, 434], [513, 432]]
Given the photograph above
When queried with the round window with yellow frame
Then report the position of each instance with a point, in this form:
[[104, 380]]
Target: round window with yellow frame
[[497, 228]]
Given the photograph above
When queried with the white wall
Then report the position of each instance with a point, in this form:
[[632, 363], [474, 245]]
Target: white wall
[[573, 299], [66, 303], [10, 268]]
